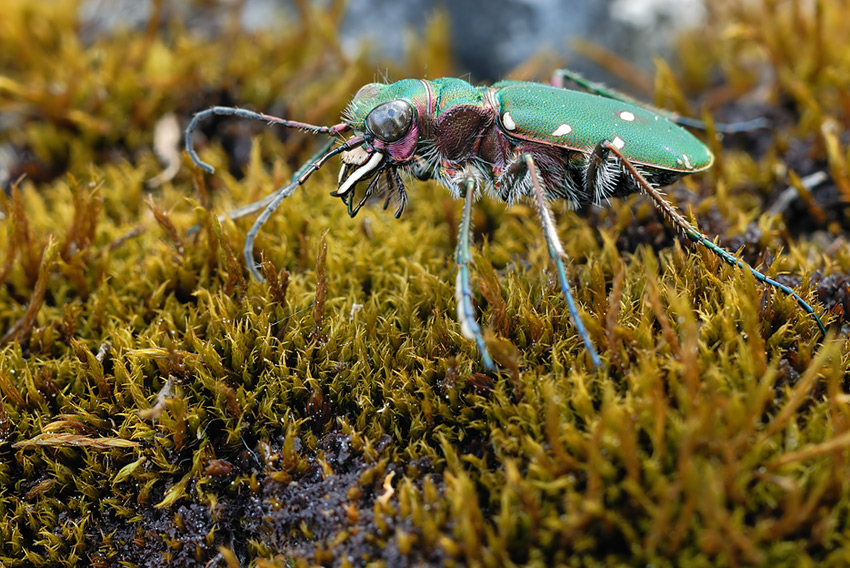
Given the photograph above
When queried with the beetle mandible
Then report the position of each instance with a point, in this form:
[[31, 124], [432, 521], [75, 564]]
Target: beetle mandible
[[511, 140]]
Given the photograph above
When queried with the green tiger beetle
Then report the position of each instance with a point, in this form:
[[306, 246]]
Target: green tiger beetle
[[511, 140]]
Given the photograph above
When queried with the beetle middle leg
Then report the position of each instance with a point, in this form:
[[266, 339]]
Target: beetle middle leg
[[556, 253]]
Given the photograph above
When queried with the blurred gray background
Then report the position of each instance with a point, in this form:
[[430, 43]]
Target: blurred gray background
[[489, 37]]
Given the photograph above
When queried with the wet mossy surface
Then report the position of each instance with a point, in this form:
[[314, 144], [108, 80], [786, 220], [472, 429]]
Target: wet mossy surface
[[159, 408]]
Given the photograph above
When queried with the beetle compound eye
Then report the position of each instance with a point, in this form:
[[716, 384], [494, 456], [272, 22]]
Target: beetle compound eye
[[390, 121]]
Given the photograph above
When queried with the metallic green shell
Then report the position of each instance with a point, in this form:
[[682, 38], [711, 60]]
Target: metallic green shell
[[579, 121], [452, 93]]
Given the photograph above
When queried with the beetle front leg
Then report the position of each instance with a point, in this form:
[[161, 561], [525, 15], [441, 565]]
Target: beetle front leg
[[268, 204], [463, 290], [556, 253]]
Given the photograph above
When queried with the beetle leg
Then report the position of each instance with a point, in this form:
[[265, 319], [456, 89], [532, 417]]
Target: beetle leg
[[302, 175], [560, 76], [721, 127], [556, 253], [600, 178], [261, 204], [692, 233], [463, 290], [419, 168]]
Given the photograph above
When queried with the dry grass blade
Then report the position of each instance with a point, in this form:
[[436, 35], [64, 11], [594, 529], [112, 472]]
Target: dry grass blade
[[74, 440]]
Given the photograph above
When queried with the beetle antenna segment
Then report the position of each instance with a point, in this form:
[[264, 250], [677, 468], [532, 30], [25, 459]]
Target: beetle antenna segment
[[678, 221], [556, 253], [463, 290]]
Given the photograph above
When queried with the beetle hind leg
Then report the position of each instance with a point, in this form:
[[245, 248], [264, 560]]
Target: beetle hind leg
[[556, 253], [692, 233]]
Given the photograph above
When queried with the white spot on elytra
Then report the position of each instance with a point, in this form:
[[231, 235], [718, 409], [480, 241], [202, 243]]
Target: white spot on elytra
[[687, 162], [508, 121], [627, 116], [618, 142], [563, 130]]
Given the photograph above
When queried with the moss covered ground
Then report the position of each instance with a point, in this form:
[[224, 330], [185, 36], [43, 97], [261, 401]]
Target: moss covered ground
[[159, 408]]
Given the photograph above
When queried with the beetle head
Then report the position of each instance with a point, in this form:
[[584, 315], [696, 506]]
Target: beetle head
[[385, 116]]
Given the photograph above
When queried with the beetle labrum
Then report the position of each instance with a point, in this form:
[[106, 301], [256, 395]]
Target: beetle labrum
[[511, 140]]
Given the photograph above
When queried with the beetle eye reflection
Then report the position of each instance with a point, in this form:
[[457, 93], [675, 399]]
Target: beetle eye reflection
[[390, 121]]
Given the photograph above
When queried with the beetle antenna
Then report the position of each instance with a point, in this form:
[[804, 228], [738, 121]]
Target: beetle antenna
[[261, 204], [271, 202], [243, 113], [669, 211]]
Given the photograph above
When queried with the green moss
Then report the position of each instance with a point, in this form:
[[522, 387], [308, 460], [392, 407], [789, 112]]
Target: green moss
[[160, 407]]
